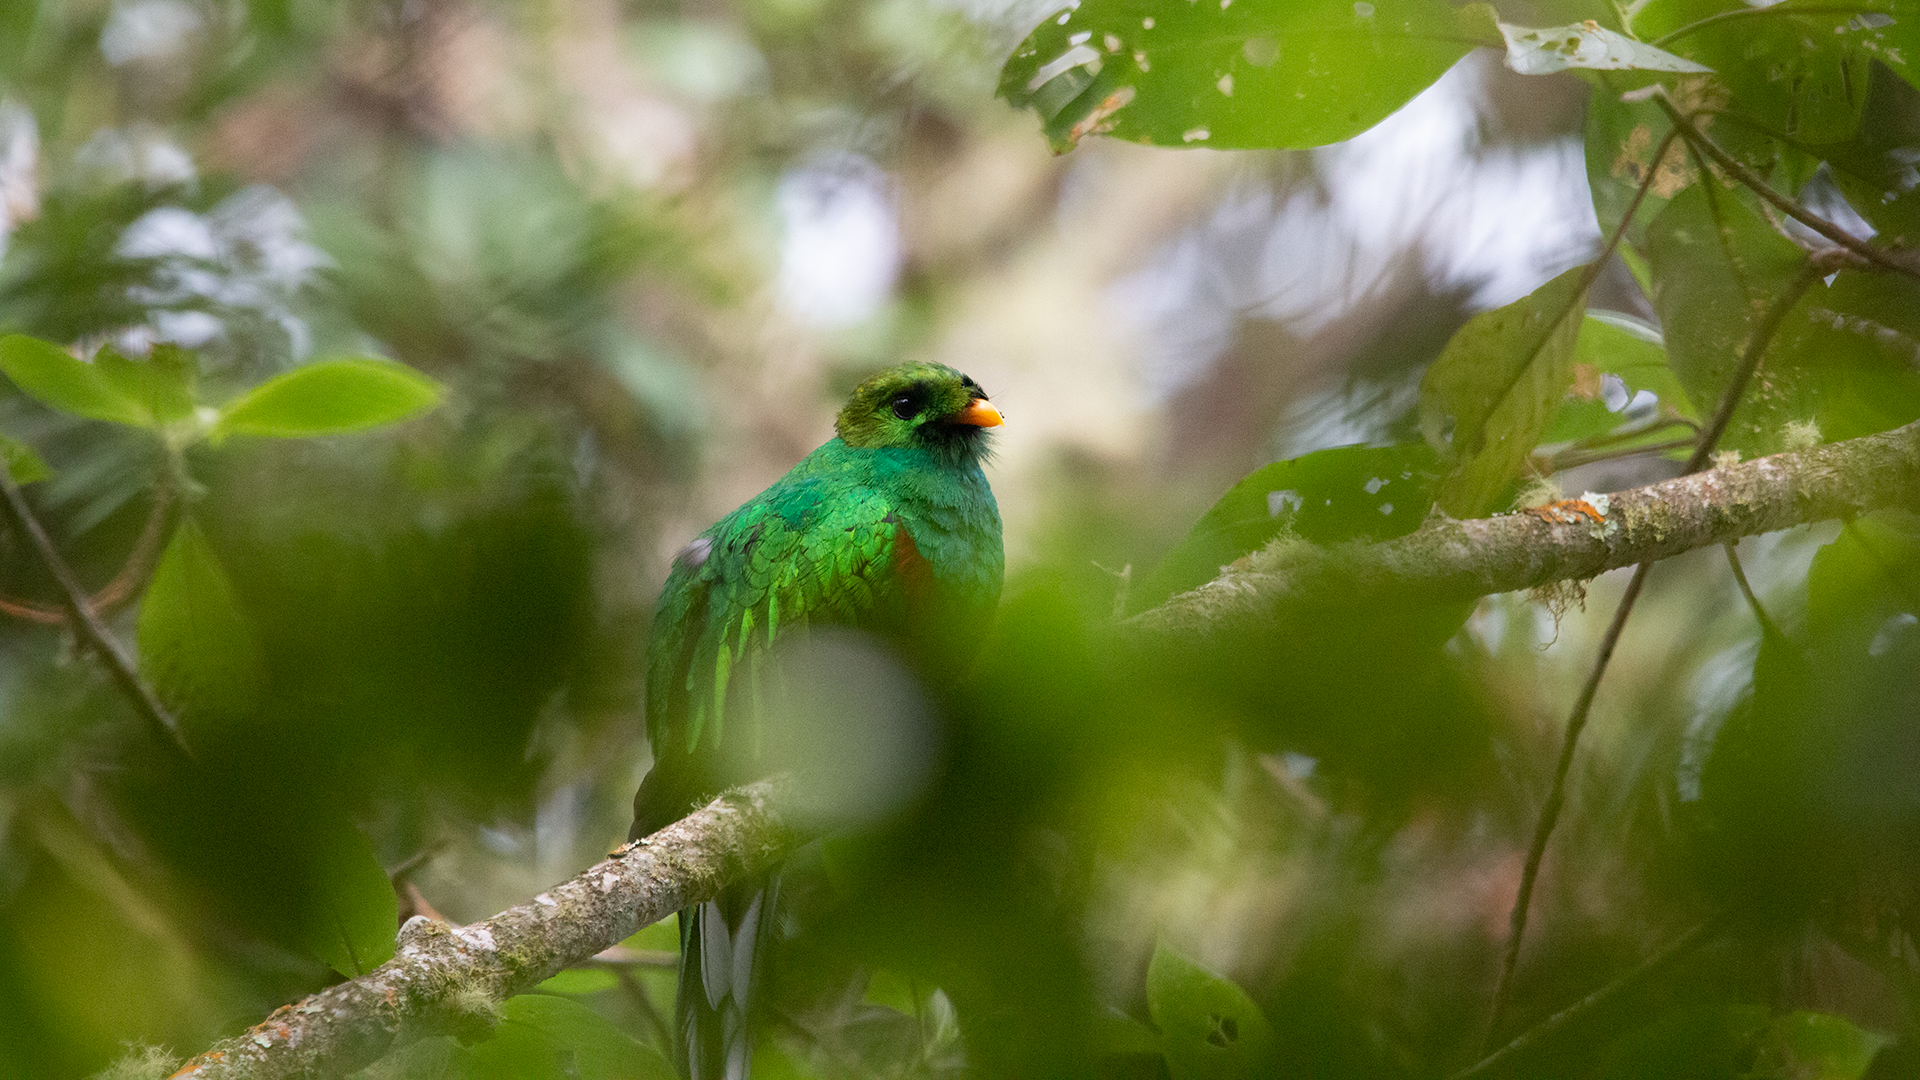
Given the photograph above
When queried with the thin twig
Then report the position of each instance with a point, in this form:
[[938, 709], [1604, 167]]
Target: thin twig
[[124, 584], [1698, 139], [1672, 36], [87, 625], [1768, 628], [1545, 1029], [1757, 343]]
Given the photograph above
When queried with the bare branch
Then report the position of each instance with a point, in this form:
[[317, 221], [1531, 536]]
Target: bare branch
[[446, 980]]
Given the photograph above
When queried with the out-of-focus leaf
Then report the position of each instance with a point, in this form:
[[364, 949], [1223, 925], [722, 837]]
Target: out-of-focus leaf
[[1856, 341], [1717, 265], [350, 917], [328, 397], [47, 374], [1485, 402], [1545, 50], [1816, 1046], [1875, 169], [162, 384], [21, 462], [1710, 1042], [1256, 73], [541, 1036], [1797, 68], [1209, 1028], [580, 981], [1344, 493], [195, 644]]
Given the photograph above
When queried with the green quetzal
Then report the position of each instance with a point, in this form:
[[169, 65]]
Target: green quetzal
[[888, 528]]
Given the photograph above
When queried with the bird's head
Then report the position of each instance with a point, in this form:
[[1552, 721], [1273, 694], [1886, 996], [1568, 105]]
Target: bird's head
[[919, 405]]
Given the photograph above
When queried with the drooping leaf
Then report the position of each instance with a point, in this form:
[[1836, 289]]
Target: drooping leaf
[[1717, 265], [46, 373], [196, 646], [1209, 1028], [1343, 493], [542, 1035], [21, 462], [349, 914], [1488, 398], [329, 397], [1629, 352], [1545, 50], [1252, 73]]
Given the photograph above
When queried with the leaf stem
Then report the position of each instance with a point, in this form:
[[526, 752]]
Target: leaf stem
[[1768, 628], [1757, 343], [87, 625]]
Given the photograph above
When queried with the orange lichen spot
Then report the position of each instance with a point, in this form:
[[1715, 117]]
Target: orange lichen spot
[[1566, 512]]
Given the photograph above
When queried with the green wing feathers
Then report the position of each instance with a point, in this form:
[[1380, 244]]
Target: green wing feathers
[[771, 567]]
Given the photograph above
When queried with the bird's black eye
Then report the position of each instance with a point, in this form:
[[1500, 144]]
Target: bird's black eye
[[904, 406]]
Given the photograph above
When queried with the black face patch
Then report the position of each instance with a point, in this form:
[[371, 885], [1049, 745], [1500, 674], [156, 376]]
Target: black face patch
[[908, 403]]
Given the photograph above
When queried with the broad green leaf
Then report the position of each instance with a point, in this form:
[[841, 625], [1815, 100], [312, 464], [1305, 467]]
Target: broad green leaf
[[349, 915], [1488, 398], [1245, 73], [1797, 69], [1622, 348], [1717, 264], [46, 373], [1875, 169], [1209, 1028], [328, 397], [541, 1036], [162, 384], [21, 462], [1344, 493], [195, 644], [1545, 50], [1816, 1046], [1854, 342], [1621, 138], [1699, 1042]]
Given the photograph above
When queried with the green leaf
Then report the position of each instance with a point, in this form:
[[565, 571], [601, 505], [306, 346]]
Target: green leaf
[[1796, 69], [1246, 73], [46, 373], [1853, 342], [543, 1036], [1699, 1042], [1488, 398], [1545, 50], [1209, 1028], [1717, 264], [1344, 493], [1629, 351], [1815, 1046], [350, 914], [580, 981], [1621, 137], [21, 462], [162, 384], [195, 644], [328, 397]]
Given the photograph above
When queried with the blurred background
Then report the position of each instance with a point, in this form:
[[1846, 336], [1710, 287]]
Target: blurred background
[[649, 246]]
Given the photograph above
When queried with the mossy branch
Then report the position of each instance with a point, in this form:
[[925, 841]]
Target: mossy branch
[[444, 980], [1460, 560]]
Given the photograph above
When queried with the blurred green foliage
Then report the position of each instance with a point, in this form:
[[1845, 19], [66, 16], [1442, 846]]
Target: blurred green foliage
[[368, 356]]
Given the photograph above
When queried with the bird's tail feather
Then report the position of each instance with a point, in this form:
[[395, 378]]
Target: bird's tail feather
[[723, 947]]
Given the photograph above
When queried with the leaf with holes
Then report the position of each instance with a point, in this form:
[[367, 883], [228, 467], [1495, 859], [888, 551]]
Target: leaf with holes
[[1343, 493], [1616, 359], [1209, 1028], [1233, 73], [1487, 400], [1544, 50]]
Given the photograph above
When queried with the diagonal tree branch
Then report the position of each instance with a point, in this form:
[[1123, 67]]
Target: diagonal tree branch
[[1448, 560], [444, 980]]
